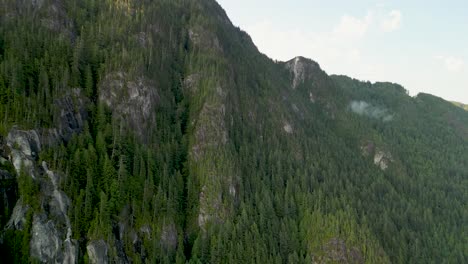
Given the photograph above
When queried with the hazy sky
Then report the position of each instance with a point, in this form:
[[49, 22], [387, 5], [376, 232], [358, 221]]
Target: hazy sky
[[422, 45]]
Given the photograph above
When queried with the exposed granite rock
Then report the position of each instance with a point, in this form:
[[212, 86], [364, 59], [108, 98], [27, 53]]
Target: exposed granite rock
[[367, 149], [58, 208], [25, 147], [73, 113], [45, 240], [311, 97], [301, 70], [132, 99], [287, 128], [191, 82], [204, 39], [169, 237], [98, 251], [18, 218], [51, 230], [50, 14], [381, 158], [70, 116]]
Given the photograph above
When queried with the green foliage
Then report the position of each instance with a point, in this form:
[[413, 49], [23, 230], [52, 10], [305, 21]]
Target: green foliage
[[15, 246], [216, 169], [28, 189]]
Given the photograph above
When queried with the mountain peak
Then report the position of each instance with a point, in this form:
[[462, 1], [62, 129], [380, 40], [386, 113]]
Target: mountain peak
[[301, 69]]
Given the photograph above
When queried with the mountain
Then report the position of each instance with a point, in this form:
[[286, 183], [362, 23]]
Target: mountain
[[464, 106], [155, 132]]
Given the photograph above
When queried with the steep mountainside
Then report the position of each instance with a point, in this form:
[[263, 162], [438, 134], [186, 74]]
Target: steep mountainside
[[464, 106], [135, 131]]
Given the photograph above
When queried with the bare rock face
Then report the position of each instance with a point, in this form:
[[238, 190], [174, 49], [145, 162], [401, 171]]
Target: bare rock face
[[191, 82], [45, 241], [56, 18], [169, 237], [58, 208], [71, 114], [51, 231], [204, 39], [18, 218], [287, 128], [25, 147], [98, 252], [312, 97], [381, 158], [47, 244], [132, 99], [51, 14], [301, 70], [69, 118], [336, 251]]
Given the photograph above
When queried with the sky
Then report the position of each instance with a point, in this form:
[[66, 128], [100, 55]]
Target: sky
[[422, 45]]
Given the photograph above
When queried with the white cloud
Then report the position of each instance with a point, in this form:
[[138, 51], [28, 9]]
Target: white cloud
[[350, 26], [392, 21], [341, 49], [340, 42], [451, 63]]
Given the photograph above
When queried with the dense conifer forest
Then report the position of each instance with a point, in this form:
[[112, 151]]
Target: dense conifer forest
[[137, 131]]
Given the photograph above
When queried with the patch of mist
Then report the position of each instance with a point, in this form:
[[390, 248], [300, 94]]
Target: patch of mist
[[365, 109]]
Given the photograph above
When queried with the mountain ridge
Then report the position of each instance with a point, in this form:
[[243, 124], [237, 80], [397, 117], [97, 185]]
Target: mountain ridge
[[166, 136]]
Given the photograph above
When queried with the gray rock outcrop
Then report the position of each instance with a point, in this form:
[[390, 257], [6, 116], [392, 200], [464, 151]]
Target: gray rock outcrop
[[51, 230], [132, 100], [70, 116], [301, 69], [98, 252], [18, 218], [25, 147]]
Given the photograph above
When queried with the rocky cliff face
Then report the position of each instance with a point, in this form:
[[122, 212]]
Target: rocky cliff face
[[51, 230], [25, 147], [301, 70], [133, 100], [51, 233], [188, 145]]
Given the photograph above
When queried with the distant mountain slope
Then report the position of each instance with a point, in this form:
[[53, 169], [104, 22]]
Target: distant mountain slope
[[464, 106], [156, 132]]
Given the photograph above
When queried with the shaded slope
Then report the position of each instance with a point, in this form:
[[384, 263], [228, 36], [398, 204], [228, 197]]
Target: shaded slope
[[197, 147]]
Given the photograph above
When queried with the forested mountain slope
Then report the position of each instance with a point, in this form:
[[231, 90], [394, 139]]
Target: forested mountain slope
[[155, 132], [464, 106]]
